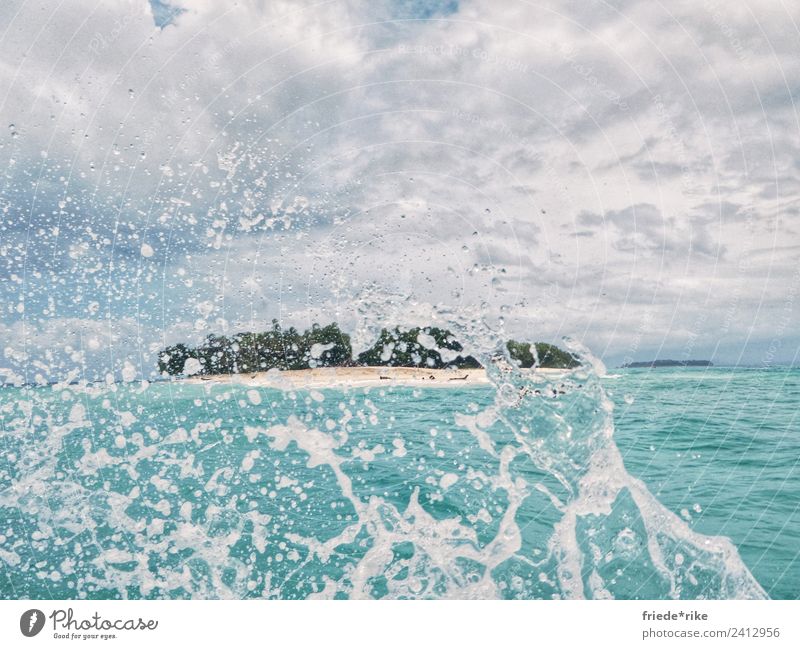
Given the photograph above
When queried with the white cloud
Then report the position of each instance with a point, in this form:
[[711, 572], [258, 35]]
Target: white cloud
[[611, 157]]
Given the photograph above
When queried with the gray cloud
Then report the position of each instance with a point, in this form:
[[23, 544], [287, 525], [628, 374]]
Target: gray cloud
[[627, 154]]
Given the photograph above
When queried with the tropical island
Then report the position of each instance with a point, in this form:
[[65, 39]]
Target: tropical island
[[418, 354], [669, 363]]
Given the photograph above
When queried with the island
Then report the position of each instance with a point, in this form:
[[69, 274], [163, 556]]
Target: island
[[321, 355], [668, 363]]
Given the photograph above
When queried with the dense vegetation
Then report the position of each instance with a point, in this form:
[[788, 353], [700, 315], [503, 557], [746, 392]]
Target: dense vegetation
[[429, 347], [669, 363], [288, 349], [541, 355], [284, 349]]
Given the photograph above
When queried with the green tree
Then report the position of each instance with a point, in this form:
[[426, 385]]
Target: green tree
[[552, 356], [520, 352], [173, 359], [217, 355], [417, 347], [245, 347], [541, 355], [270, 346], [327, 346]]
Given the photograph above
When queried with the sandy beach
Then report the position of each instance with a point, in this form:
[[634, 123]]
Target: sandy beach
[[333, 377]]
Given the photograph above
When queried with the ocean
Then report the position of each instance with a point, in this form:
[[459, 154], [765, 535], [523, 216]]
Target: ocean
[[668, 483]]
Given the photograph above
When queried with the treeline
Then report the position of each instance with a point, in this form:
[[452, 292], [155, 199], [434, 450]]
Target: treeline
[[541, 355], [289, 349]]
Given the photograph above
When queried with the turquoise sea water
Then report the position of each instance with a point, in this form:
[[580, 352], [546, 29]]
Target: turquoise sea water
[[726, 440], [624, 486]]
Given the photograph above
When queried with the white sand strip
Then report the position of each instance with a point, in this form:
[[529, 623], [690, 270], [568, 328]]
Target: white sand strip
[[334, 377]]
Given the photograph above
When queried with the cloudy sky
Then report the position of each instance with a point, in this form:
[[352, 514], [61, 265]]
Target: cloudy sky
[[623, 173]]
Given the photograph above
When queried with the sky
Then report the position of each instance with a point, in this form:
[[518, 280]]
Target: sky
[[623, 174]]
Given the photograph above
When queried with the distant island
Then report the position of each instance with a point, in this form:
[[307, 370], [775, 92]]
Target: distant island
[[289, 349], [669, 363]]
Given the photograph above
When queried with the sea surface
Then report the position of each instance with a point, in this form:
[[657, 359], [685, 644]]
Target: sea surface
[[668, 483]]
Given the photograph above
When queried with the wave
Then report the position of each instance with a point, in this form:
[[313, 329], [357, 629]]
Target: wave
[[516, 490]]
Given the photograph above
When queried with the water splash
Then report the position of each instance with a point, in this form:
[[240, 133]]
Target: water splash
[[179, 490]]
